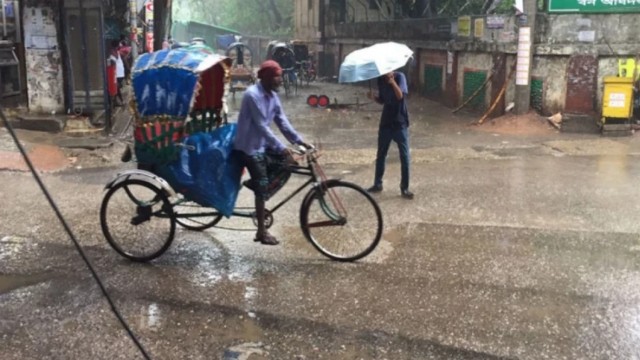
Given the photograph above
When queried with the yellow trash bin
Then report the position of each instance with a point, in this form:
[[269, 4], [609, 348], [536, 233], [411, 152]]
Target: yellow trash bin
[[617, 100]]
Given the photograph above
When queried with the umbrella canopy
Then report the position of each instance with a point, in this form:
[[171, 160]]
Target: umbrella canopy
[[373, 61]]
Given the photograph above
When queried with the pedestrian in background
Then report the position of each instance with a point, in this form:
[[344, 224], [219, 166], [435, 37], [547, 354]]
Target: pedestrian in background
[[116, 59], [394, 126], [112, 81], [127, 59]]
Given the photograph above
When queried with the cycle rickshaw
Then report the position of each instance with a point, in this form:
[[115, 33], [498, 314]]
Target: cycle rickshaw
[[179, 99], [283, 54], [305, 68], [241, 71]]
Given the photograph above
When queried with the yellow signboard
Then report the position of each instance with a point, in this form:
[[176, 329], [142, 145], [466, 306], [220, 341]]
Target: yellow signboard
[[464, 26], [478, 28]]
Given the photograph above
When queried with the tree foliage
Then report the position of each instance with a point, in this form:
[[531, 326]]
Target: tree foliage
[[254, 17], [441, 8]]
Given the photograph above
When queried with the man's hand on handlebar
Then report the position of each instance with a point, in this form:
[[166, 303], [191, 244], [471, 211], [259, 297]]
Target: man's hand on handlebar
[[289, 157], [306, 145]]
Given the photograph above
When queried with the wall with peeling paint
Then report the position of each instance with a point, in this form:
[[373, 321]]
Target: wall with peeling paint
[[608, 37], [553, 71], [610, 34], [43, 59], [474, 62], [433, 58]]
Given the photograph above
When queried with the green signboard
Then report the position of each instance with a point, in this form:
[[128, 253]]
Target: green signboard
[[594, 6]]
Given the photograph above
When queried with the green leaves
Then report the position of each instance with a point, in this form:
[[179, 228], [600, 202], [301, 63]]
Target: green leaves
[[251, 17]]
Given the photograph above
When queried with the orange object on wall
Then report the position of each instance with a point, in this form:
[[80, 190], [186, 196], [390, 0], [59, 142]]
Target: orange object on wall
[[112, 82]]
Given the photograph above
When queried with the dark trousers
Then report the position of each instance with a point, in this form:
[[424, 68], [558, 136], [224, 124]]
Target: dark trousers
[[257, 167], [401, 137], [119, 94]]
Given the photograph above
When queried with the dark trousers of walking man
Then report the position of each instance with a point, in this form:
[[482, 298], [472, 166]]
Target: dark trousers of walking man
[[394, 126], [401, 137]]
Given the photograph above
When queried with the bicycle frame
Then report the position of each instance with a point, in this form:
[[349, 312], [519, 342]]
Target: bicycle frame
[[295, 169], [324, 196], [307, 170]]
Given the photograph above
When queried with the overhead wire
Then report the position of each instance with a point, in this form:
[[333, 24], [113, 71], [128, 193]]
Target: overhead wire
[[76, 244]]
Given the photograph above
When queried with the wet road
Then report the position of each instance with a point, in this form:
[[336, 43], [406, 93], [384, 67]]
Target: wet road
[[515, 247]]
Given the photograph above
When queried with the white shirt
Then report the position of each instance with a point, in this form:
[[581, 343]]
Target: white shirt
[[119, 66]]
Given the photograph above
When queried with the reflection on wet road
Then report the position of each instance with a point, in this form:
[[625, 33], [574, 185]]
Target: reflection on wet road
[[513, 248]]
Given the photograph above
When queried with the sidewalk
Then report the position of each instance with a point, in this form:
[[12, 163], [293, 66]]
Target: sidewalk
[[55, 142], [54, 152]]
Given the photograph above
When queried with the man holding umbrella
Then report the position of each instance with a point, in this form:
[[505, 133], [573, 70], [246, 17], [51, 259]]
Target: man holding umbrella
[[394, 124], [380, 61]]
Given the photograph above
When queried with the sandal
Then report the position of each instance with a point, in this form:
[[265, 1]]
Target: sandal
[[267, 239]]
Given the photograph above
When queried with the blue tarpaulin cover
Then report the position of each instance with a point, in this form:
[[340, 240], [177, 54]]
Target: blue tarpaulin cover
[[207, 171]]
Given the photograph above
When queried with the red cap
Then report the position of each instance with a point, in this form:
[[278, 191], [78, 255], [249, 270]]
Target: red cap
[[269, 69]]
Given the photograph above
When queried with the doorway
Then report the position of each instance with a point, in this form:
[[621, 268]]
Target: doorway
[[85, 60]]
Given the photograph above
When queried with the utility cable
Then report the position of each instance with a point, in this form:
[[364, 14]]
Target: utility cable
[[72, 236]]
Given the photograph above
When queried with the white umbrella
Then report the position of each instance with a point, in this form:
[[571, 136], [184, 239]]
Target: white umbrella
[[373, 61]]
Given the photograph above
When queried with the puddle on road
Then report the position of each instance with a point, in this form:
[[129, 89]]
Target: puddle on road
[[9, 283], [244, 352], [225, 328]]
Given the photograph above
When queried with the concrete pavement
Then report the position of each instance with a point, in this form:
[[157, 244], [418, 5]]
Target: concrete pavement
[[516, 246]]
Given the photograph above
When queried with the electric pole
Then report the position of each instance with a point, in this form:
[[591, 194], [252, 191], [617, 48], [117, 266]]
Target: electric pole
[[526, 30], [133, 23]]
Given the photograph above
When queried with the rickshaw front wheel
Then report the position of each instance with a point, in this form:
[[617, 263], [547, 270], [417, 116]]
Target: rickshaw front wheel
[[341, 220], [137, 220]]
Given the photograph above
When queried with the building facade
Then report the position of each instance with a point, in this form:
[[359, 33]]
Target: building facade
[[61, 48], [575, 44]]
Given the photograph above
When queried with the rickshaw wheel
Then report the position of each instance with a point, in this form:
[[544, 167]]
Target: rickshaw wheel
[[268, 219], [137, 220], [341, 220], [198, 222]]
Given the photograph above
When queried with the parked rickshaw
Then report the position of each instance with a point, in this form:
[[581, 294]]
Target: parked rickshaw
[[305, 67], [241, 71], [187, 174], [283, 54]]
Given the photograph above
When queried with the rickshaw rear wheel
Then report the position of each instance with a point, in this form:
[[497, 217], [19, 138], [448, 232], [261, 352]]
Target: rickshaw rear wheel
[[137, 220]]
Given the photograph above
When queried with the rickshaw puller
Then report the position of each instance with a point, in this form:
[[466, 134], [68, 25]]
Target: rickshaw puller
[[260, 106]]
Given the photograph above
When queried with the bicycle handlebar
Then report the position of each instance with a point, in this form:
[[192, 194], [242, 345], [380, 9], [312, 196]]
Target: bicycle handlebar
[[301, 150]]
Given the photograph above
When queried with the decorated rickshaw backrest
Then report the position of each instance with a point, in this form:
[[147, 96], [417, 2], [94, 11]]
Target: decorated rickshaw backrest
[[176, 92], [165, 83]]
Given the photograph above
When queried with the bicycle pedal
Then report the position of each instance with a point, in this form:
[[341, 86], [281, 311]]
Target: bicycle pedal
[[143, 214], [139, 219]]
